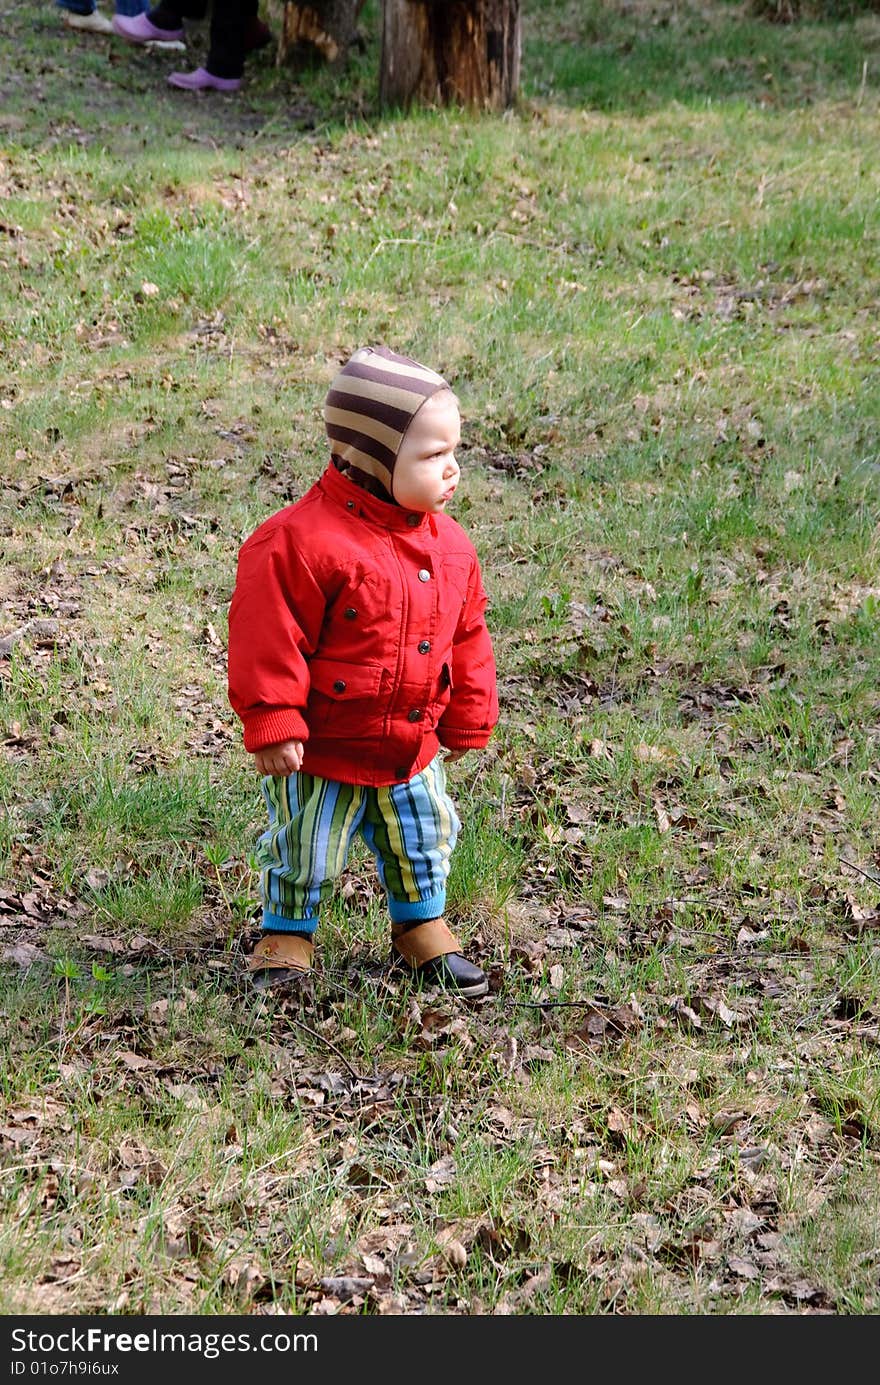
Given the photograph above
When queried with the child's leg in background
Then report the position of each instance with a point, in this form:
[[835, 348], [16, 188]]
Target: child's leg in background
[[227, 51], [412, 829], [311, 824], [170, 14], [77, 6]]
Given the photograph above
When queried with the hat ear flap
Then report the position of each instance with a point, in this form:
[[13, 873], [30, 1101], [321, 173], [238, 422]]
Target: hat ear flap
[[369, 407]]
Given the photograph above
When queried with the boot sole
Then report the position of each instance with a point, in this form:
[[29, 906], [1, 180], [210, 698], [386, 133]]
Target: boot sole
[[472, 992], [468, 992], [276, 978]]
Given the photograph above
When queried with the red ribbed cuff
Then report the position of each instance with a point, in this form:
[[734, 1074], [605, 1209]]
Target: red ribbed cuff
[[271, 728], [462, 738]]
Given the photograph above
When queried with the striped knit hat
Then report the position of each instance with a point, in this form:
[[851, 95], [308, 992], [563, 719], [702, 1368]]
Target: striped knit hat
[[369, 407]]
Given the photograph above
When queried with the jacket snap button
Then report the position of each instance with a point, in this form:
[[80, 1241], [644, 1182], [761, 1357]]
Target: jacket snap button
[[412, 520], [424, 575], [414, 715], [339, 685], [350, 613], [349, 504], [424, 646], [400, 772]]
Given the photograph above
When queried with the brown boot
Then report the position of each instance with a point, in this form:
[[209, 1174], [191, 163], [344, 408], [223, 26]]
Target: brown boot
[[279, 958], [433, 952]]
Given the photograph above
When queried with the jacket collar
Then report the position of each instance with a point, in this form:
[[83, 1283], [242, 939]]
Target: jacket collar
[[359, 502]]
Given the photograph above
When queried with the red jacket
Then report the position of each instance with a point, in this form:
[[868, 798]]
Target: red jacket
[[358, 628]]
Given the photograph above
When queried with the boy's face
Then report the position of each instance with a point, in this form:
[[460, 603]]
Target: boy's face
[[426, 473]]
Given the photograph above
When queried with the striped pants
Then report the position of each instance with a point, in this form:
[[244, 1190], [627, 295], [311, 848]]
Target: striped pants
[[410, 828]]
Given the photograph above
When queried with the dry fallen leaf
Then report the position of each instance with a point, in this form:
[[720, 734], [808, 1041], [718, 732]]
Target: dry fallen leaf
[[507, 1055], [245, 1278], [535, 1053], [454, 1254], [654, 754], [742, 1222], [619, 903], [441, 1174], [22, 954], [98, 943], [618, 1122], [747, 936], [135, 1061], [685, 1012], [346, 1286], [723, 1122], [745, 1269]]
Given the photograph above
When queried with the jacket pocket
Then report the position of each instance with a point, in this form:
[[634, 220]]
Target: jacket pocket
[[442, 694], [456, 574], [344, 698]]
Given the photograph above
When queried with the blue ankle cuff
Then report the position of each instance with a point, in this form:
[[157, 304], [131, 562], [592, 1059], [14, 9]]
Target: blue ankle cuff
[[275, 923], [402, 911]]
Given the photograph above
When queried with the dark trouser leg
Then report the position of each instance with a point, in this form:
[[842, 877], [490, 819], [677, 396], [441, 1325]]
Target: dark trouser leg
[[169, 14], [226, 51]]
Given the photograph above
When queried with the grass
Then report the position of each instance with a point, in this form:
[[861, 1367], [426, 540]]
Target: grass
[[652, 286]]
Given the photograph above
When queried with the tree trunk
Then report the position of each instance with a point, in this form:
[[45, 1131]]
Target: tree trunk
[[450, 52], [322, 29]]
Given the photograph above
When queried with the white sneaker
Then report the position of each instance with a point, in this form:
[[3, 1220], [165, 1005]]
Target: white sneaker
[[94, 23]]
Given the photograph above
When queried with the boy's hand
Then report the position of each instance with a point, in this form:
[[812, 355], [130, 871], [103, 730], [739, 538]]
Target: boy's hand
[[283, 759], [453, 755]]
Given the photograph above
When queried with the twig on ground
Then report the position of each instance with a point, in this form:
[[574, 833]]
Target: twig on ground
[[321, 1039], [555, 1004], [875, 879]]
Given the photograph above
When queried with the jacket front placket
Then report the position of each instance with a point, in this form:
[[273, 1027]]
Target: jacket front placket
[[416, 656]]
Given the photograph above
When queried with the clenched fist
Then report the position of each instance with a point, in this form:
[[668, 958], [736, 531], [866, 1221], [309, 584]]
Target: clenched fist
[[283, 759]]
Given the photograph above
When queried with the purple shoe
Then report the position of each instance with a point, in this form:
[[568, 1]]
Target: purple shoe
[[138, 29], [203, 80]]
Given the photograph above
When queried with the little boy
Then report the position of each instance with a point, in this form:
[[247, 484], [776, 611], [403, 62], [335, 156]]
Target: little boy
[[357, 648]]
